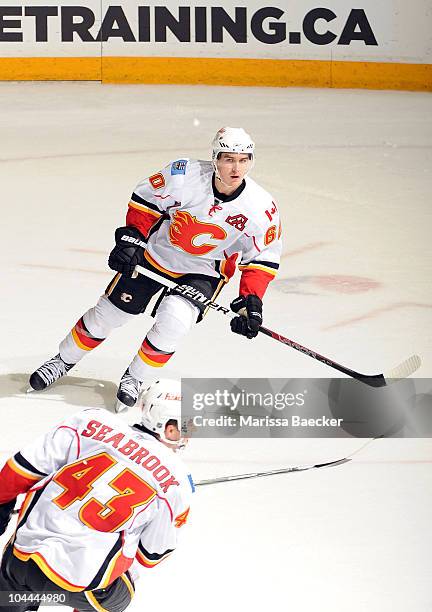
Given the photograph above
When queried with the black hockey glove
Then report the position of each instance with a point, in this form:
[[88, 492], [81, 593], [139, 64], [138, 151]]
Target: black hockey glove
[[5, 514], [128, 251], [250, 310]]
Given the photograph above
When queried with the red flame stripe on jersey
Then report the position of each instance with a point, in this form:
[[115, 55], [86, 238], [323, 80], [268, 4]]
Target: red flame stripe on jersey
[[258, 266], [27, 467], [115, 566], [136, 199], [143, 217], [146, 563], [144, 220], [83, 338], [255, 281], [15, 481], [269, 265], [106, 568], [145, 209], [150, 559], [118, 566], [152, 355]]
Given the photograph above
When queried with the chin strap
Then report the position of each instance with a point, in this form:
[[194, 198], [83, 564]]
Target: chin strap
[[218, 178], [217, 175]]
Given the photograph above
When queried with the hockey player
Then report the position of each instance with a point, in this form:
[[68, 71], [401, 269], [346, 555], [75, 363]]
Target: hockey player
[[98, 494], [193, 222]]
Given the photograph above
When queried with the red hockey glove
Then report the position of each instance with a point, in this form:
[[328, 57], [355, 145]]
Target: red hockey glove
[[250, 320]]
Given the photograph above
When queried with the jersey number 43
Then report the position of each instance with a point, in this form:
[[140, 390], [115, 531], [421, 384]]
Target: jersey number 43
[[77, 480]]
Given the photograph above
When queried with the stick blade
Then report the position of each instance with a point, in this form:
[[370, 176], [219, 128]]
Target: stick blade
[[332, 463], [403, 370]]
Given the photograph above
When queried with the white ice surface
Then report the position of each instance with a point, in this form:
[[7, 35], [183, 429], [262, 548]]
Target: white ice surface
[[352, 173]]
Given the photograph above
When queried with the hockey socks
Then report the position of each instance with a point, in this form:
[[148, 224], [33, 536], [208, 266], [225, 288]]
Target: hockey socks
[[147, 359], [92, 329]]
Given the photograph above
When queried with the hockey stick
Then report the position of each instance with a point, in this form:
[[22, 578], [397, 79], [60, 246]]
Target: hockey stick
[[403, 370], [287, 470]]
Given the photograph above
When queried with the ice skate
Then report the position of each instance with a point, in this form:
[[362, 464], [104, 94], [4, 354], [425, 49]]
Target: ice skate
[[48, 373], [128, 392]]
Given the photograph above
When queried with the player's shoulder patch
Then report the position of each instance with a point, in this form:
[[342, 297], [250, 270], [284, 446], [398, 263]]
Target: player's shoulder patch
[[179, 166]]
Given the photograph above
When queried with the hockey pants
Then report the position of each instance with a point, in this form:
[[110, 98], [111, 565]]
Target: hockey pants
[[18, 576], [123, 300]]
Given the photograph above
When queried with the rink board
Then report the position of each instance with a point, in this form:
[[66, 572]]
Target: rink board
[[220, 71], [371, 45]]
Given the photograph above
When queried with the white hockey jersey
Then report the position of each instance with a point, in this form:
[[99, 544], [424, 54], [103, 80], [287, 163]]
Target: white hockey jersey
[[99, 494], [191, 228]]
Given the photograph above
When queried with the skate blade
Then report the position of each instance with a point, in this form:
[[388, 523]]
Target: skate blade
[[120, 407]]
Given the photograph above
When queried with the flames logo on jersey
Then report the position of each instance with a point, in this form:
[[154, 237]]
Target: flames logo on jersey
[[181, 519], [185, 229]]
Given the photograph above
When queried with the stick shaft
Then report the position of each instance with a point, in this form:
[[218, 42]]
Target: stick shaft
[[287, 470], [376, 380]]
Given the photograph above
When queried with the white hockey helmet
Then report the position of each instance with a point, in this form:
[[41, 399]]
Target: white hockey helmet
[[232, 140], [161, 402]]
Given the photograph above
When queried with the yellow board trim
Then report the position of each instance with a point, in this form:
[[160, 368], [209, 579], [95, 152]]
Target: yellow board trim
[[221, 71], [50, 68]]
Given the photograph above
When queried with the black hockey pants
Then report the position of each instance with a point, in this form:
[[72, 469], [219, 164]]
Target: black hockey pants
[[19, 579]]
